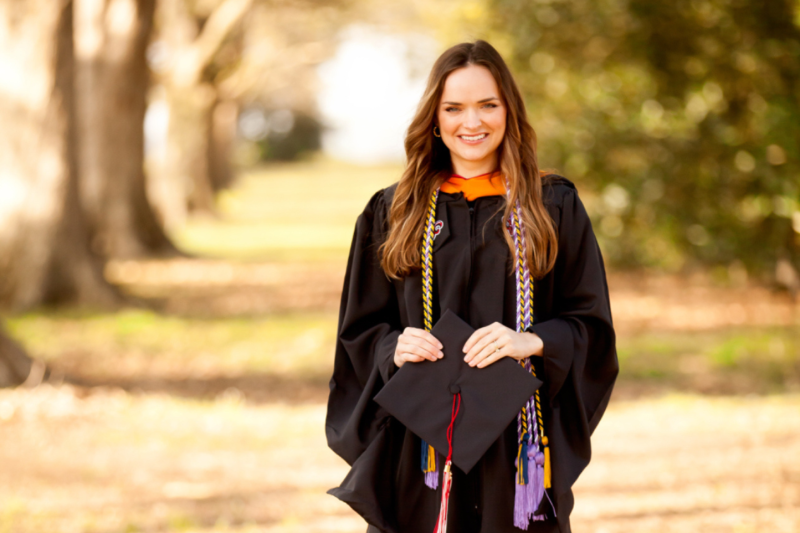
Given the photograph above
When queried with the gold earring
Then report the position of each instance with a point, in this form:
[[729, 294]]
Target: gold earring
[[434, 132]]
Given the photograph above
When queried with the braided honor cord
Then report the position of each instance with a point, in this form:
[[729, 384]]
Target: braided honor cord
[[429, 462], [533, 452]]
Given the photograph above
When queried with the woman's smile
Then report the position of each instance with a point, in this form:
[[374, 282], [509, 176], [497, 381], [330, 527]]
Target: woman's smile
[[473, 139]]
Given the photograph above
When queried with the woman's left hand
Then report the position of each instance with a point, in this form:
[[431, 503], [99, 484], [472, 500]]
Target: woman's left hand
[[495, 341]]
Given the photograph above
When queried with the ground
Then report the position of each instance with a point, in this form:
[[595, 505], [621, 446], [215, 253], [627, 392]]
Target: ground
[[204, 411]]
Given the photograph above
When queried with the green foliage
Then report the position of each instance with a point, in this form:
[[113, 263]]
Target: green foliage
[[726, 360], [683, 119], [304, 138]]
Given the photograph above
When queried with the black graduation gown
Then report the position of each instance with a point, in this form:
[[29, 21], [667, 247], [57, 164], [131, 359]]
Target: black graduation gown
[[473, 278]]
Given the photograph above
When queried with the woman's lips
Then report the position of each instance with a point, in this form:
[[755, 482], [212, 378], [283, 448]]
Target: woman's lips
[[473, 139]]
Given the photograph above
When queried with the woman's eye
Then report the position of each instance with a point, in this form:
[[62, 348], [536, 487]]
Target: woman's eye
[[448, 109], [490, 105]]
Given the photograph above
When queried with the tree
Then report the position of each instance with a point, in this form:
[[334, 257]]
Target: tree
[[682, 116], [111, 79], [15, 365], [212, 58], [44, 244], [185, 179]]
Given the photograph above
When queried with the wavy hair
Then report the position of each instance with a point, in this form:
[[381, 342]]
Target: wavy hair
[[428, 166]]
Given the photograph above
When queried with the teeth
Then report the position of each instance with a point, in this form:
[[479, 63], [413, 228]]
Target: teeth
[[474, 137]]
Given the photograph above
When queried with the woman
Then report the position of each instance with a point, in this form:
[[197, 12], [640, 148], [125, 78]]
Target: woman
[[472, 226]]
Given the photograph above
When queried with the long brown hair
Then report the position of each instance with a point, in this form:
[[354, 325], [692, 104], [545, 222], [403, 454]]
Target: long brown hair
[[428, 166]]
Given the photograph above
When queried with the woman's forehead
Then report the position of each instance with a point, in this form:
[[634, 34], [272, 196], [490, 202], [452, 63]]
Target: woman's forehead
[[470, 84]]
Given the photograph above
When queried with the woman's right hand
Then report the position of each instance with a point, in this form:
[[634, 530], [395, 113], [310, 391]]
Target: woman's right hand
[[415, 345]]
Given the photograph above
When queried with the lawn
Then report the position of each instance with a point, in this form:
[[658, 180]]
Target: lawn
[[203, 410]]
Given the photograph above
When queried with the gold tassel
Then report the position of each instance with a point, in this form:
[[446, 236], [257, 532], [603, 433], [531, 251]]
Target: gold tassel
[[546, 463], [431, 459]]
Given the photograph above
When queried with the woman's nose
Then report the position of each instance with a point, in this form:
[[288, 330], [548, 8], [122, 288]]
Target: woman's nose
[[471, 119]]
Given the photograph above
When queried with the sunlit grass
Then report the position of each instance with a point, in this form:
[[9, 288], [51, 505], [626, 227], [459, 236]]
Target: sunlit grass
[[137, 341], [757, 359], [293, 211], [113, 461], [283, 344]]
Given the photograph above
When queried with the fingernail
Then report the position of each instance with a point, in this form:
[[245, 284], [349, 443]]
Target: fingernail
[[441, 345], [441, 354]]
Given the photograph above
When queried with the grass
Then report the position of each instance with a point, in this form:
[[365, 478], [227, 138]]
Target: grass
[[279, 344], [765, 360], [113, 461], [288, 212], [198, 422], [145, 343]]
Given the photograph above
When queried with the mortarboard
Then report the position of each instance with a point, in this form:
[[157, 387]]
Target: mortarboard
[[429, 396], [421, 396]]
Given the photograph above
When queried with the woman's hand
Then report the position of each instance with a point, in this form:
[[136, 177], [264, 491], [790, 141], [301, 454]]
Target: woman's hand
[[493, 342], [415, 345]]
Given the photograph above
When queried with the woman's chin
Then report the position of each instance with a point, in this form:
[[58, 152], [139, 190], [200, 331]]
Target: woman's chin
[[475, 156]]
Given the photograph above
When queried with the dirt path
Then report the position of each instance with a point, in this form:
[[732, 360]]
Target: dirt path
[[114, 462]]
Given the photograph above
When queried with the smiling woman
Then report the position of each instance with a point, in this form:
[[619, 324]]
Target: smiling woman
[[474, 228]]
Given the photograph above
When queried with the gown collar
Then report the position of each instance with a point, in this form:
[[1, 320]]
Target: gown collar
[[489, 184]]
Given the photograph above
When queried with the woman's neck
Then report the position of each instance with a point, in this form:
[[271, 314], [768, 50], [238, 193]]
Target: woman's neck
[[470, 169]]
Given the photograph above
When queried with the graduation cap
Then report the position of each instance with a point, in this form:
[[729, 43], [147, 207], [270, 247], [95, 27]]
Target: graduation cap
[[458, 409], [477, 404]]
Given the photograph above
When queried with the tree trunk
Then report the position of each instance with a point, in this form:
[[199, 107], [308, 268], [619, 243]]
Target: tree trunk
[[112, 79], [222, 135], [189, 132], [35, 166], [43, 244], [15, 365]]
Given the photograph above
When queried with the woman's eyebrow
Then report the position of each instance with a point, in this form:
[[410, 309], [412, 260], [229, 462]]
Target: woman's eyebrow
[[479, 101]]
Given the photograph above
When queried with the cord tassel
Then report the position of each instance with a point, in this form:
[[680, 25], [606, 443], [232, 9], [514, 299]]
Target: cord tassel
[[447, 479], [432, 479], [520, 511], [430, 466], [447, 484], [534, 489], [547, 483]]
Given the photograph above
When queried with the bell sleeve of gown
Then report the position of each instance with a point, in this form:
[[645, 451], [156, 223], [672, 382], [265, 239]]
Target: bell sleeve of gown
[[369, 324], [580, 358], [356, 427]]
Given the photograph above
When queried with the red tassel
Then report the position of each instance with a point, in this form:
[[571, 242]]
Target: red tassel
[[447, 477], [447, 483]]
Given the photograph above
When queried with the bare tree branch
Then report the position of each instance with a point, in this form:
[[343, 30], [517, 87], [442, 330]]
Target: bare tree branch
[[191, 62]]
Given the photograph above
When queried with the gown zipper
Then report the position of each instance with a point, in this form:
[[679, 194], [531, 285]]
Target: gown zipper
[[468, 288]]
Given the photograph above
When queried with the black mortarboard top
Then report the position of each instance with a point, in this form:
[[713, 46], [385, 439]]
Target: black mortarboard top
[[420, 396]]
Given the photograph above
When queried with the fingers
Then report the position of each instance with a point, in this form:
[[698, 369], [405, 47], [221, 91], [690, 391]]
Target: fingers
[[416, 345], [493, 357], [413, 349], [412, 358], [483, 338], [491, 350], [425, 336], [495, 343], [476, 336]]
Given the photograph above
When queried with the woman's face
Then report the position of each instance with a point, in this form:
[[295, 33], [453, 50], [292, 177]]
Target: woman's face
[[472, 120]]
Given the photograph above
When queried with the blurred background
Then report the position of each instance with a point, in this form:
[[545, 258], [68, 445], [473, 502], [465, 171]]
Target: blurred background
[[179, 180]]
